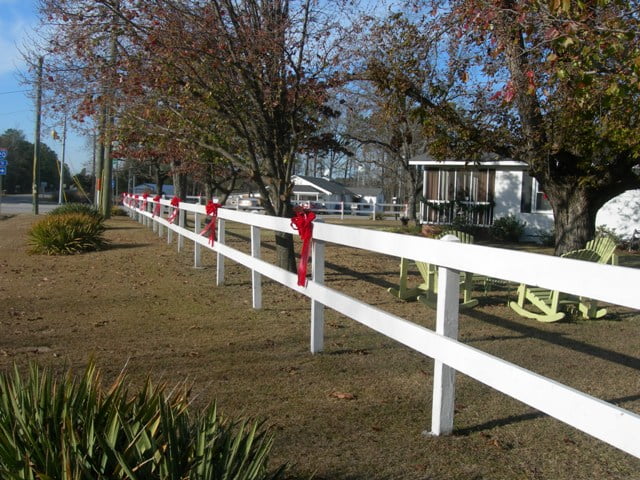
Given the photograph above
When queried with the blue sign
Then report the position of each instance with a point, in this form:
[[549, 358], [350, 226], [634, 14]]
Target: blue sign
[[3, 162], [3, 170], [3, 153]]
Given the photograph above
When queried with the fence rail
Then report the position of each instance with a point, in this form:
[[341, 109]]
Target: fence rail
[[331, 209], [612, 284]]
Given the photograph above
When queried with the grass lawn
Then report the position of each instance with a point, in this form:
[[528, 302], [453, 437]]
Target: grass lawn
[[354, 412]]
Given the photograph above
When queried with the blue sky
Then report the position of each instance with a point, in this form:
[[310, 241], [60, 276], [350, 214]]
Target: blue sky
[[17, 109]]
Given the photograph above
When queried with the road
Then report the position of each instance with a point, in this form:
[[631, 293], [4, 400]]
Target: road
[[21, 203]]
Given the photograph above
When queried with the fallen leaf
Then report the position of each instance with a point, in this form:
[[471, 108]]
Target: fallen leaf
[[342, 395]]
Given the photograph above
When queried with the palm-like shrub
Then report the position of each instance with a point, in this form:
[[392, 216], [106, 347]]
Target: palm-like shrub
[[76, 208], [72, 429], [67, 233]]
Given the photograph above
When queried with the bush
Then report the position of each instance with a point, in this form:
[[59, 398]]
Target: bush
[[67, 233], [461, 223], [548, 238], [605, 231], [76, 208], [73, 429], [117, 211], [507, 229]]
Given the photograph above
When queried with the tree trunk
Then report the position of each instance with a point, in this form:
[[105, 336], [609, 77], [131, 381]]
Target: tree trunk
[[574, 212], [415, 179], [159, 180], [180, 185], [285, 253]]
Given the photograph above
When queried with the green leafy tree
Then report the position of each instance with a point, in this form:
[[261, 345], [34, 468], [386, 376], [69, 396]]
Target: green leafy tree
[[551, 83], [20, 163], [245, 80]]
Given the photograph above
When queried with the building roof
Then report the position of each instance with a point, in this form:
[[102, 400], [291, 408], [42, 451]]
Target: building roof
[[306, 189], [327, 187], [491, 161], [366, 191]]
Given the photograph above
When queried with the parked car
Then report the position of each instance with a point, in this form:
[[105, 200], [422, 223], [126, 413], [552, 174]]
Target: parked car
[[313, 206], [249, 203]]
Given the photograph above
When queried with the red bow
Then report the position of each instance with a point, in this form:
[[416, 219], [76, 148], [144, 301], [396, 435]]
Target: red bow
[[175, 201], [212, 211], [156, 209], [135, 203], [144, 202], [302, 222]]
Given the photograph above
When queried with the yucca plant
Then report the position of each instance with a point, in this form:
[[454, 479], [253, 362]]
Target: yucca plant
[[117, 211], [76, 208], [67, 233], [74, 429]]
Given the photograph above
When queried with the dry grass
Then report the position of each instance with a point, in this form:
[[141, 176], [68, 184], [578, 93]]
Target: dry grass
[[356, 411]]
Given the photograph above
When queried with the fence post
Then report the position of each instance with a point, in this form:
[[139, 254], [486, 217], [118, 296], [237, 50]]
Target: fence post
[[341, 210], [181, 220], [160, 226], [256, 278], [197, 248], [447, 325], [317, 308], [219, 256]]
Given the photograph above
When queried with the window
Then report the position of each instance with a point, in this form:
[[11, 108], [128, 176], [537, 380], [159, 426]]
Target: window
[[533, 199], [541, 203]]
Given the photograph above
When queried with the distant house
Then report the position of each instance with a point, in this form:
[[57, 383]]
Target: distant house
[[329, 193], [499, 187], [370, 195], [151, 189]]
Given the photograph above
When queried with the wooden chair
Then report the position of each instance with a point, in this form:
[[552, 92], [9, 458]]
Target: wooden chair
[[551, 305], [427, 291], [605, 247]]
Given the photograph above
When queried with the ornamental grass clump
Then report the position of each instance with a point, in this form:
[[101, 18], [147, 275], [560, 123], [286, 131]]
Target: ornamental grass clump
[[73, 429], [76, 208], [67, 233]]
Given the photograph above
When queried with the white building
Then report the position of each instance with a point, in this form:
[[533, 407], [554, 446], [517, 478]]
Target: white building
[[500, 187]]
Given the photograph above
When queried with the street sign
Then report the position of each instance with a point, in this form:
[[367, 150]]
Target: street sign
[[3, 170], [3, 153], [3, 162]]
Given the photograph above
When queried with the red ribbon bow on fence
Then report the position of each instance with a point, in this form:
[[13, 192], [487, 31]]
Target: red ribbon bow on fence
[[156, 208], [212, 211], [135, 202], [302, 222], [175, 201], [144, 201]]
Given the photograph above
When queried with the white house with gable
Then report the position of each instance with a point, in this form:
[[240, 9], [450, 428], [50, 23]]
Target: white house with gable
[[499, 187]]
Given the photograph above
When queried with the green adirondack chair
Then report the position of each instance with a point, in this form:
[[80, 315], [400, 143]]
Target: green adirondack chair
[[551, 305], [605, 247], [427, 291]]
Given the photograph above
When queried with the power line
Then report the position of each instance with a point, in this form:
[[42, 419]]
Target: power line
[[13, 113], [14, 91]]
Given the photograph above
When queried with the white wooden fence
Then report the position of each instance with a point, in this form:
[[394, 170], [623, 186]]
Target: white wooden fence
[[612, 284]]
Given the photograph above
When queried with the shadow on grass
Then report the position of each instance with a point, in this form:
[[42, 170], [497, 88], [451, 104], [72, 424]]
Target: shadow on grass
[[125, 246], [558, 339], [120, 228], [501, 422], [338, 270]]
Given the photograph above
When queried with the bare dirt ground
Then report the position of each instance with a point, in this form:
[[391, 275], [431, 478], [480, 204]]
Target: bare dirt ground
[[356, 411]]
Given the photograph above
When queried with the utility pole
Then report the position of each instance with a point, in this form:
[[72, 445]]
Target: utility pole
[[106, 191], [64, 148], [55, 136], [36, 143]]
